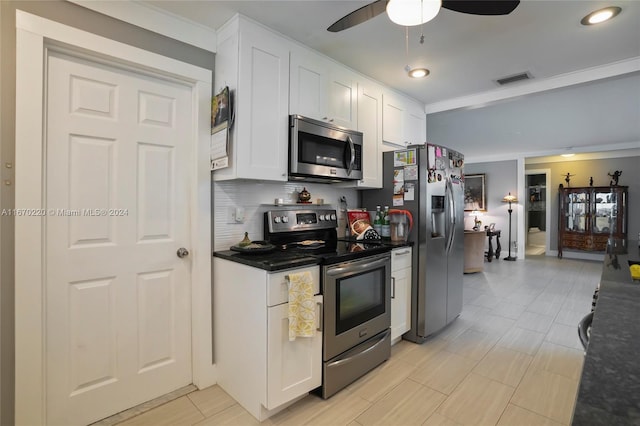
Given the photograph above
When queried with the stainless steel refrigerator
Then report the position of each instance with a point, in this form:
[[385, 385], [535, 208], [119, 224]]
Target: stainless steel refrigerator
[[428, 181]]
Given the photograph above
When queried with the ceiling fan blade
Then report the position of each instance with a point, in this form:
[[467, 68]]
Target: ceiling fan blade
[[481, 7], [359, 16]]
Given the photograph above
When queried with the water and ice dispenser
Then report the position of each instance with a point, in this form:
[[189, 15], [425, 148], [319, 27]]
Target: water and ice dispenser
[[437, 216]]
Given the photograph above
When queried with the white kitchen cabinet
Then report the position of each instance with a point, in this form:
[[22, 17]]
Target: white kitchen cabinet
[[254, 63], [294, 368], [400, 292], [257, 364], [322, 89], [370, 124], [403, 121], [416, 120], [393, 122]]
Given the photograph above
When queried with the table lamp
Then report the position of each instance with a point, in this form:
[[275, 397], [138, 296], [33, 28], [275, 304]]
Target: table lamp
[[510, 199], [476, 223]]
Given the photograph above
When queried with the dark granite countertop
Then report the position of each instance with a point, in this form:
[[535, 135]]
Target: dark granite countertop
[[609, 392], [274, 261]]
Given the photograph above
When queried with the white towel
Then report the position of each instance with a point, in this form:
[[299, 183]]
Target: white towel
[[302, 309]]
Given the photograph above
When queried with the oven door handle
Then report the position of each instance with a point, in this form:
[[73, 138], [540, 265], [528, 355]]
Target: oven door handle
[[352, 148], [356, 267]]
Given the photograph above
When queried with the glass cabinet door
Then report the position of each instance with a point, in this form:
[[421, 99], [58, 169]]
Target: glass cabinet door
[[604, 212], [577, 205]]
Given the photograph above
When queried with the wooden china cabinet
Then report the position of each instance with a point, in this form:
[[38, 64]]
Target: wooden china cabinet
[[589, 215]]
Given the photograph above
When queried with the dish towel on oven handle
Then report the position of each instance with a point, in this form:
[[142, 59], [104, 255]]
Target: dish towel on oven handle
[[302, 307]]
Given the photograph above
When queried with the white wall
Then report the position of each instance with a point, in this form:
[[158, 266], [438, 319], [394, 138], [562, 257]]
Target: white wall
[[500, 179]]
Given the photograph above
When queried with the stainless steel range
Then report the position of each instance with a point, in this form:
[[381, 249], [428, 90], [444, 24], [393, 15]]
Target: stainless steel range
[[356, 285]]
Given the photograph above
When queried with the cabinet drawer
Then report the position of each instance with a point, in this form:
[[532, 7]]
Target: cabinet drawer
[[278, 288], [400, 258]]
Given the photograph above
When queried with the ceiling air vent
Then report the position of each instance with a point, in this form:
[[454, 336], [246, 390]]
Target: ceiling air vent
[[513, 78]]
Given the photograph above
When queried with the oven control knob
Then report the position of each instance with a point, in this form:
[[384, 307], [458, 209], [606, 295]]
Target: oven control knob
[[333, 216], [321, 217], [285, 219], [277, 219]]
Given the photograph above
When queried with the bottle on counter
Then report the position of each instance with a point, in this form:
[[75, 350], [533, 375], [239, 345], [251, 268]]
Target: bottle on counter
[[386, 224], [377, 221]]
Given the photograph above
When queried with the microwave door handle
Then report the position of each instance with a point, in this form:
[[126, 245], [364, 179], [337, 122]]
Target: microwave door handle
[[353, 155]]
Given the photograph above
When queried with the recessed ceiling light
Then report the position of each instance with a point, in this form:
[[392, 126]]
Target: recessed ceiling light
[[418, 72], [600, 15]]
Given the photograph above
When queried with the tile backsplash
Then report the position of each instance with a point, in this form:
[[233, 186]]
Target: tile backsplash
[[256, 197]]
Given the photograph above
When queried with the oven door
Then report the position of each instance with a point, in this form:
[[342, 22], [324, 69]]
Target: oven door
[[321, 150], [357, 305]]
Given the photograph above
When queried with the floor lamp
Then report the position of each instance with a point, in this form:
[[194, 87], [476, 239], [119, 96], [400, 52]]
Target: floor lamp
[[510, 199]]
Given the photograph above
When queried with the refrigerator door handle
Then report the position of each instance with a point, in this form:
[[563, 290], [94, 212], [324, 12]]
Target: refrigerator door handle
[[451, 206]]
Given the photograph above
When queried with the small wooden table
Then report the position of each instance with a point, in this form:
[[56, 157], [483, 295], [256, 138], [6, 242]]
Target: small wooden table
[[490, 253], [473, 251]]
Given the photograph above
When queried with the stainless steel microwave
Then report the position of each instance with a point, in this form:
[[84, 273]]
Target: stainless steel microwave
[[323, 152]]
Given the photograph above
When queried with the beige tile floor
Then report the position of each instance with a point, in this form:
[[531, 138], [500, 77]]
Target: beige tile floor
[[511, 358]]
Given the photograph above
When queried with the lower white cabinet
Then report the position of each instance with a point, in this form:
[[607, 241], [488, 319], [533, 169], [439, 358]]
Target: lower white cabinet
[[400, 292], [293, 368], [257, 364]]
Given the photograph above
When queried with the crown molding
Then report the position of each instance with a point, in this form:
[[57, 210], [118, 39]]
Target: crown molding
[[154, 19]]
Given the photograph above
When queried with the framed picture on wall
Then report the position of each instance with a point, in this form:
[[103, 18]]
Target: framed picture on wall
[[475, 196]]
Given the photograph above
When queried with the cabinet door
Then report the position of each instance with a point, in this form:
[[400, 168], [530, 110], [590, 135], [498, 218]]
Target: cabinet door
[[393, 120], [293, 368], [308, 94], [370, 124], [416, 124], [262, 105], [400, 302], [400, 291], [342, 105]]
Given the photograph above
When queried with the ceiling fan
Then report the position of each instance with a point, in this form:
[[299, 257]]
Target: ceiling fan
[[473, 7]]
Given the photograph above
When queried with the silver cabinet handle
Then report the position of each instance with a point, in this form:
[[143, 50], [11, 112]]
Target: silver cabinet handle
[[393, 287], [182, 252], [400, 253], [320, 317]]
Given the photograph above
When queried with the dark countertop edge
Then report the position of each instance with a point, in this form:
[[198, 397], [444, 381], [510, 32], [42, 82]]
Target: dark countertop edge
[[387, 243], [254, 261], [611, 357]]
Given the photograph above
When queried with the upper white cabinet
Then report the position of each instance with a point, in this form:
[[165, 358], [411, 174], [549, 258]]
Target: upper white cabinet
[[404, 121], [416, 123], [254, 63], [322, 90], [370, 124]]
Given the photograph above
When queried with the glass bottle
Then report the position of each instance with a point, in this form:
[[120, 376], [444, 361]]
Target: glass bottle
[[377, 221], [386, 223]]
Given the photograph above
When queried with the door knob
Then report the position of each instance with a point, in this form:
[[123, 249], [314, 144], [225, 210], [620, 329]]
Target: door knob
[[182, 252]]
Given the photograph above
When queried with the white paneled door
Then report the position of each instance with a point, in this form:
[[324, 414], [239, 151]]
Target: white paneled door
[[118, 298]]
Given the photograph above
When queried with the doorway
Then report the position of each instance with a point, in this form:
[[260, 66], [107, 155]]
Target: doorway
[[537, 216]]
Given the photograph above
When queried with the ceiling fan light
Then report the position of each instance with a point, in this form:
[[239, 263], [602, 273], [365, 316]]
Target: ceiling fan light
[[418, 72], [412, 12]]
